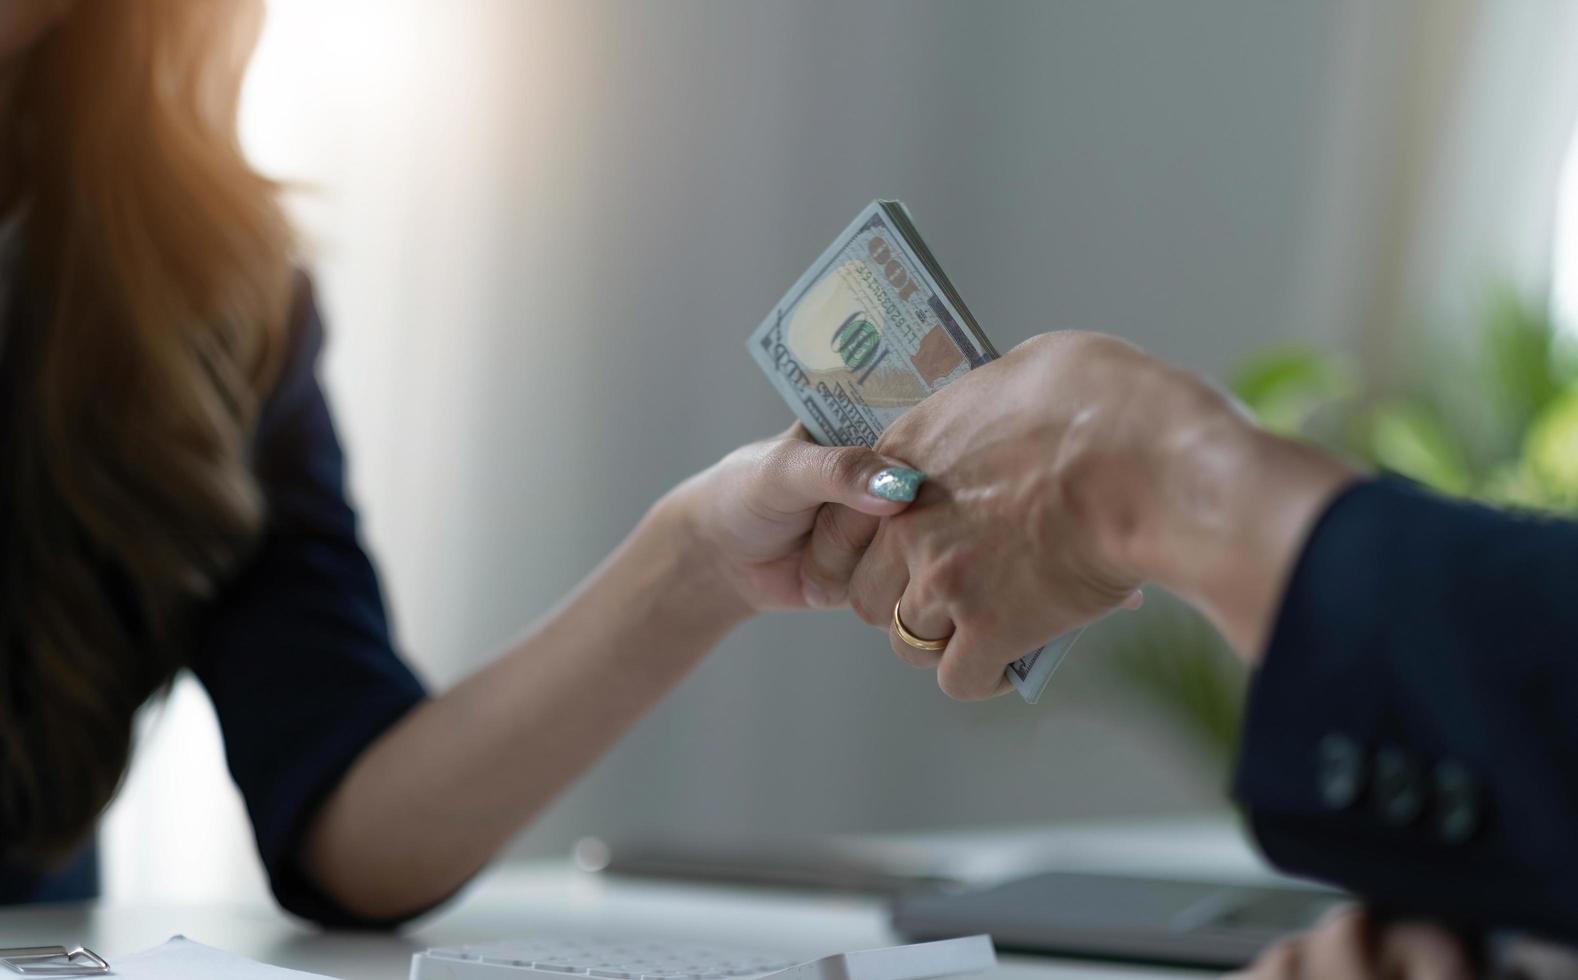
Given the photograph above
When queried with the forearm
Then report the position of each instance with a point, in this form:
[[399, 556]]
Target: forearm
[[1235, 522], [434, 798], [1220, 510]]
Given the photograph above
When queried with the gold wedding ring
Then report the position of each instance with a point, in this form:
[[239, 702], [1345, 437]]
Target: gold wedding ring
[[910, 638]]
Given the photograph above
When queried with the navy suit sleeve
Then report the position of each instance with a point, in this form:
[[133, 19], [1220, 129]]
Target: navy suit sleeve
[[296, 654], [1412, 733]]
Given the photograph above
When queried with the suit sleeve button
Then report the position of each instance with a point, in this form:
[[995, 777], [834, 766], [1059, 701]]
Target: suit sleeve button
[[1339, 771], [1399, 787], [1460, 805]]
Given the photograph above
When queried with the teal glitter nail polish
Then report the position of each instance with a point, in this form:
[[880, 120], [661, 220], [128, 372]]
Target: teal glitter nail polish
[[896, 483]]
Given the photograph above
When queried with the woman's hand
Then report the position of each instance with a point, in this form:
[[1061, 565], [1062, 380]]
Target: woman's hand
[[1061, 477], [754, 512], [1350, 945]]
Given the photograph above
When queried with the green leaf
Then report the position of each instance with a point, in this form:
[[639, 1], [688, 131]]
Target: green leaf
[[1172, 657], [1550, 452], [1285, 387], [1526, 368], [1410, 439]]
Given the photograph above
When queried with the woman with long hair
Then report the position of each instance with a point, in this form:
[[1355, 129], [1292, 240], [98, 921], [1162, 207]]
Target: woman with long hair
[[172, 498]]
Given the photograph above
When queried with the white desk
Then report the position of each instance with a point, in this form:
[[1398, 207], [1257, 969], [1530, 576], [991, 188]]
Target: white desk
[[556, 899], [511, 902]]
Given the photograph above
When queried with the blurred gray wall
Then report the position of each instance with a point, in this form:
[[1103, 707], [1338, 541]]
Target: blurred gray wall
[[649, 194], [542, 232]]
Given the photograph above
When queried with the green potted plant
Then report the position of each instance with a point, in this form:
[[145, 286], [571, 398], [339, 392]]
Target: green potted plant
[[1495, 420]]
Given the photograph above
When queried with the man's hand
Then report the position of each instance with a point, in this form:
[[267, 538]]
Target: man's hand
[[1062, 476], [1350, 945]]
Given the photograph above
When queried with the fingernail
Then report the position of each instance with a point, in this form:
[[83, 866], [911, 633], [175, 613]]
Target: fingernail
[[896, 483], [818, 597]]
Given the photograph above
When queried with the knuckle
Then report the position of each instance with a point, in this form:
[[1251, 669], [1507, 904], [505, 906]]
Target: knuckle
[[956, 682], [868, 607], [832, 531], [830, 581], [843, 466], [899, 436], [824, 593], [928, 591], [747, 459], [987, 620], [775, 459], [824, 577], [920, 659], [760, 463], [950, 685], [769, 467], [949, 576], [904, 530]]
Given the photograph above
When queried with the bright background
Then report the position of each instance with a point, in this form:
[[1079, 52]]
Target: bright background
[[542, 231]]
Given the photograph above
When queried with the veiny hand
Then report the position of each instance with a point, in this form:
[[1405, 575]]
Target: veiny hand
[[754, 511], [1350, 945], [1062, 476], [1000, 553]]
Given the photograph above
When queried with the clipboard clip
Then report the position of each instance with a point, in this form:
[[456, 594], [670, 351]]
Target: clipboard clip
[[53, 961]]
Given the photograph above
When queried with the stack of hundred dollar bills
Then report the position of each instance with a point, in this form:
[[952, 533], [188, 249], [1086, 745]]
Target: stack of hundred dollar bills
[[872, 328]]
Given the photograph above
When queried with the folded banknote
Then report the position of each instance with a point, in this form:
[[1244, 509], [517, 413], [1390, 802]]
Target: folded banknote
[[870, 329]]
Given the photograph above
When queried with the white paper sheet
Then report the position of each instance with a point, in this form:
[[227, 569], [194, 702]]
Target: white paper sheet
[[182, 959]]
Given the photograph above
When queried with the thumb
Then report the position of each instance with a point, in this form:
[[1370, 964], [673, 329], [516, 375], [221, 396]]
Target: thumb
[[809, 475]]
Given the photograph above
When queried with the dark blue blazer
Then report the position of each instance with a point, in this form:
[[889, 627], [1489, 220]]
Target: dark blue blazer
[[1412, 733], [296, 653]]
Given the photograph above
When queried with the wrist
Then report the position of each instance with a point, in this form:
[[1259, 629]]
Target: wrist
[[1204, 464], [695, 588], [1225, 519]]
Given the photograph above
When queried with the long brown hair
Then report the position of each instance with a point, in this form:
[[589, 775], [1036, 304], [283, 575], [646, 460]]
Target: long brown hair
[[148, 301]]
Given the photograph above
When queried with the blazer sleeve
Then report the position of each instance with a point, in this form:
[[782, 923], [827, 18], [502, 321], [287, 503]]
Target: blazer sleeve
[[296, 654], [1412, 732]]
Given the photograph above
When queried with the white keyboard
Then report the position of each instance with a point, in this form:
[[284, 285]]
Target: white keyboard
[[564, 958]]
